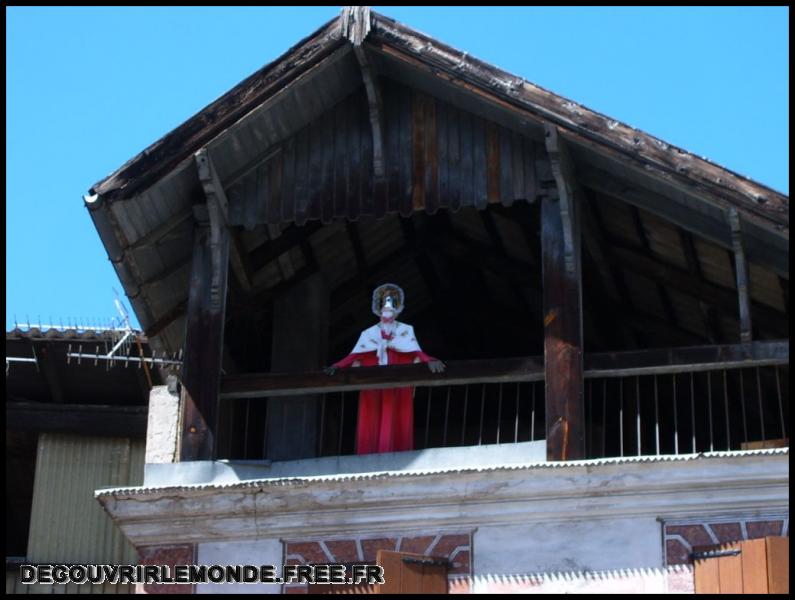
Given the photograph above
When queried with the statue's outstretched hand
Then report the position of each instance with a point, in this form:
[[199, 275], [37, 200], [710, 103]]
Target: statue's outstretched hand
[[436, 366], [330, 370]]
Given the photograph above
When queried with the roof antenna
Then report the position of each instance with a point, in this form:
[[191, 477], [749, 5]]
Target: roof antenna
[[122, 311]]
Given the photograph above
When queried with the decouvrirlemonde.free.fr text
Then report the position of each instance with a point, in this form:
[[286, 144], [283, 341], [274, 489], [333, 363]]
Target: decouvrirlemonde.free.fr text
[[165, 574]]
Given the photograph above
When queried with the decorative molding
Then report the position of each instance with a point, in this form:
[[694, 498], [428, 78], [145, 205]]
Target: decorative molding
[[714, 488]]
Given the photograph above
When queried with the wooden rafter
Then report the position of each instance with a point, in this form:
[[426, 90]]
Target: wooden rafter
[[703, 225], [722, 298], [597, 252], [161, 231], [711, 325]]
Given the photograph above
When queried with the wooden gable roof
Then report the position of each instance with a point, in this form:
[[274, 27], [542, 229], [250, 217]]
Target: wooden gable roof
[[302, 140]]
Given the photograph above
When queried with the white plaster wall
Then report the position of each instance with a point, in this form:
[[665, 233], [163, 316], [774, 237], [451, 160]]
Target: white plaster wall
[[251, 552], [162, 426], [569, 553]]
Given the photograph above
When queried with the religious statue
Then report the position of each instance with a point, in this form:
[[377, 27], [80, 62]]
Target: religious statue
[[386, 416]]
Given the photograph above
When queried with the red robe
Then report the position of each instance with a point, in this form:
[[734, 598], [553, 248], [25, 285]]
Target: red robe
[[386, 416]]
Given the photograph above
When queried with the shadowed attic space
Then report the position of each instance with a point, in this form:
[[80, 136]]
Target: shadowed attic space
[[473, 282]]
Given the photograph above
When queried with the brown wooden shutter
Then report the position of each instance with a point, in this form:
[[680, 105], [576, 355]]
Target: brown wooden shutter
[[406, 573], [760, 567]]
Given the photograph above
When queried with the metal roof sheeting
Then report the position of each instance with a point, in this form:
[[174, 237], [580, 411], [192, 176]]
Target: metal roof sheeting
[[286, 481]]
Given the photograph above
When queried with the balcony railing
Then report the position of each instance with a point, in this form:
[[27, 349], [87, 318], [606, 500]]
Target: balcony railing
[[662, 401]]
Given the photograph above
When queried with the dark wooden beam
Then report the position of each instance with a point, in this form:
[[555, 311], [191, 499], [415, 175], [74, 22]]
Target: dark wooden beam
[[375, 107], [741, 272], [204, 333], [358, 247], [167, 319], [711, 325], [688, 359], [415, 242], [163, 275], [662, 292], [596, 252], [239, 259], [770, 250], [82, 419], [275, 247], [161, 231], [491, 228], [526, 217], [562, 297], [50, 373]]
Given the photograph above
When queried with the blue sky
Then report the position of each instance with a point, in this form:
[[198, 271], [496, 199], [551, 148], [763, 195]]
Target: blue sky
[[88, 88]]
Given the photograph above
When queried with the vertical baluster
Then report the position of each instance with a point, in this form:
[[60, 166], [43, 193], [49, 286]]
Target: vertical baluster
[[709, 409], [604, 417], [589, 418], [499, 410], [342, 423], [304, 412], [228, 407], [780, 405], [446, 412], [693, 412], [533, 413], [464, 420], [759, 397], [482, 406], [516, 427], [322, 424], [656, 418], [726, 408], [245, 429], [676, 420], [621, 416], [742, 402], [637, 410], [428, 416], [267, 423]]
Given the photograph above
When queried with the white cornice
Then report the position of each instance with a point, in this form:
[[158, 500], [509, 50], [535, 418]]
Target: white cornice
[[717, 485]]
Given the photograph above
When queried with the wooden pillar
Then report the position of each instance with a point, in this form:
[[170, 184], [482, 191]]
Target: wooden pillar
[[741, 272], [562, 300], [300, 343], [204, 333]]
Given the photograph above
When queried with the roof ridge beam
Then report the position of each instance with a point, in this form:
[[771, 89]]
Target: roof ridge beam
[[356, 23]]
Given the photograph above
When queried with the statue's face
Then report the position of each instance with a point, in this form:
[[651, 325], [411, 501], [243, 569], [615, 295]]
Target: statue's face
[[388, 309]]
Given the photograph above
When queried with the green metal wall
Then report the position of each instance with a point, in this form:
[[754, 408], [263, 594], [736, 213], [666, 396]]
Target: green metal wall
[[67, 524]]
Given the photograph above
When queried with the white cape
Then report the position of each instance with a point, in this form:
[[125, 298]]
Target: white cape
[[404, 340]]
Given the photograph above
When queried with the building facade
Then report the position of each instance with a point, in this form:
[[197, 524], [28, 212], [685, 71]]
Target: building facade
[[612, 312]]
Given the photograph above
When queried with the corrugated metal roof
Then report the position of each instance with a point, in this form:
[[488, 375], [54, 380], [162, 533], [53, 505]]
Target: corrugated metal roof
[[286, 481], [56, 334]]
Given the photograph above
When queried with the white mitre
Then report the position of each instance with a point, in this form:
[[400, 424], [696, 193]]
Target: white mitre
[[403, 340]]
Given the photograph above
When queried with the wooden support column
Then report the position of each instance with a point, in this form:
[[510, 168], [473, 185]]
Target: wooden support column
[[562, 282], [741, 270], [204, 335]]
